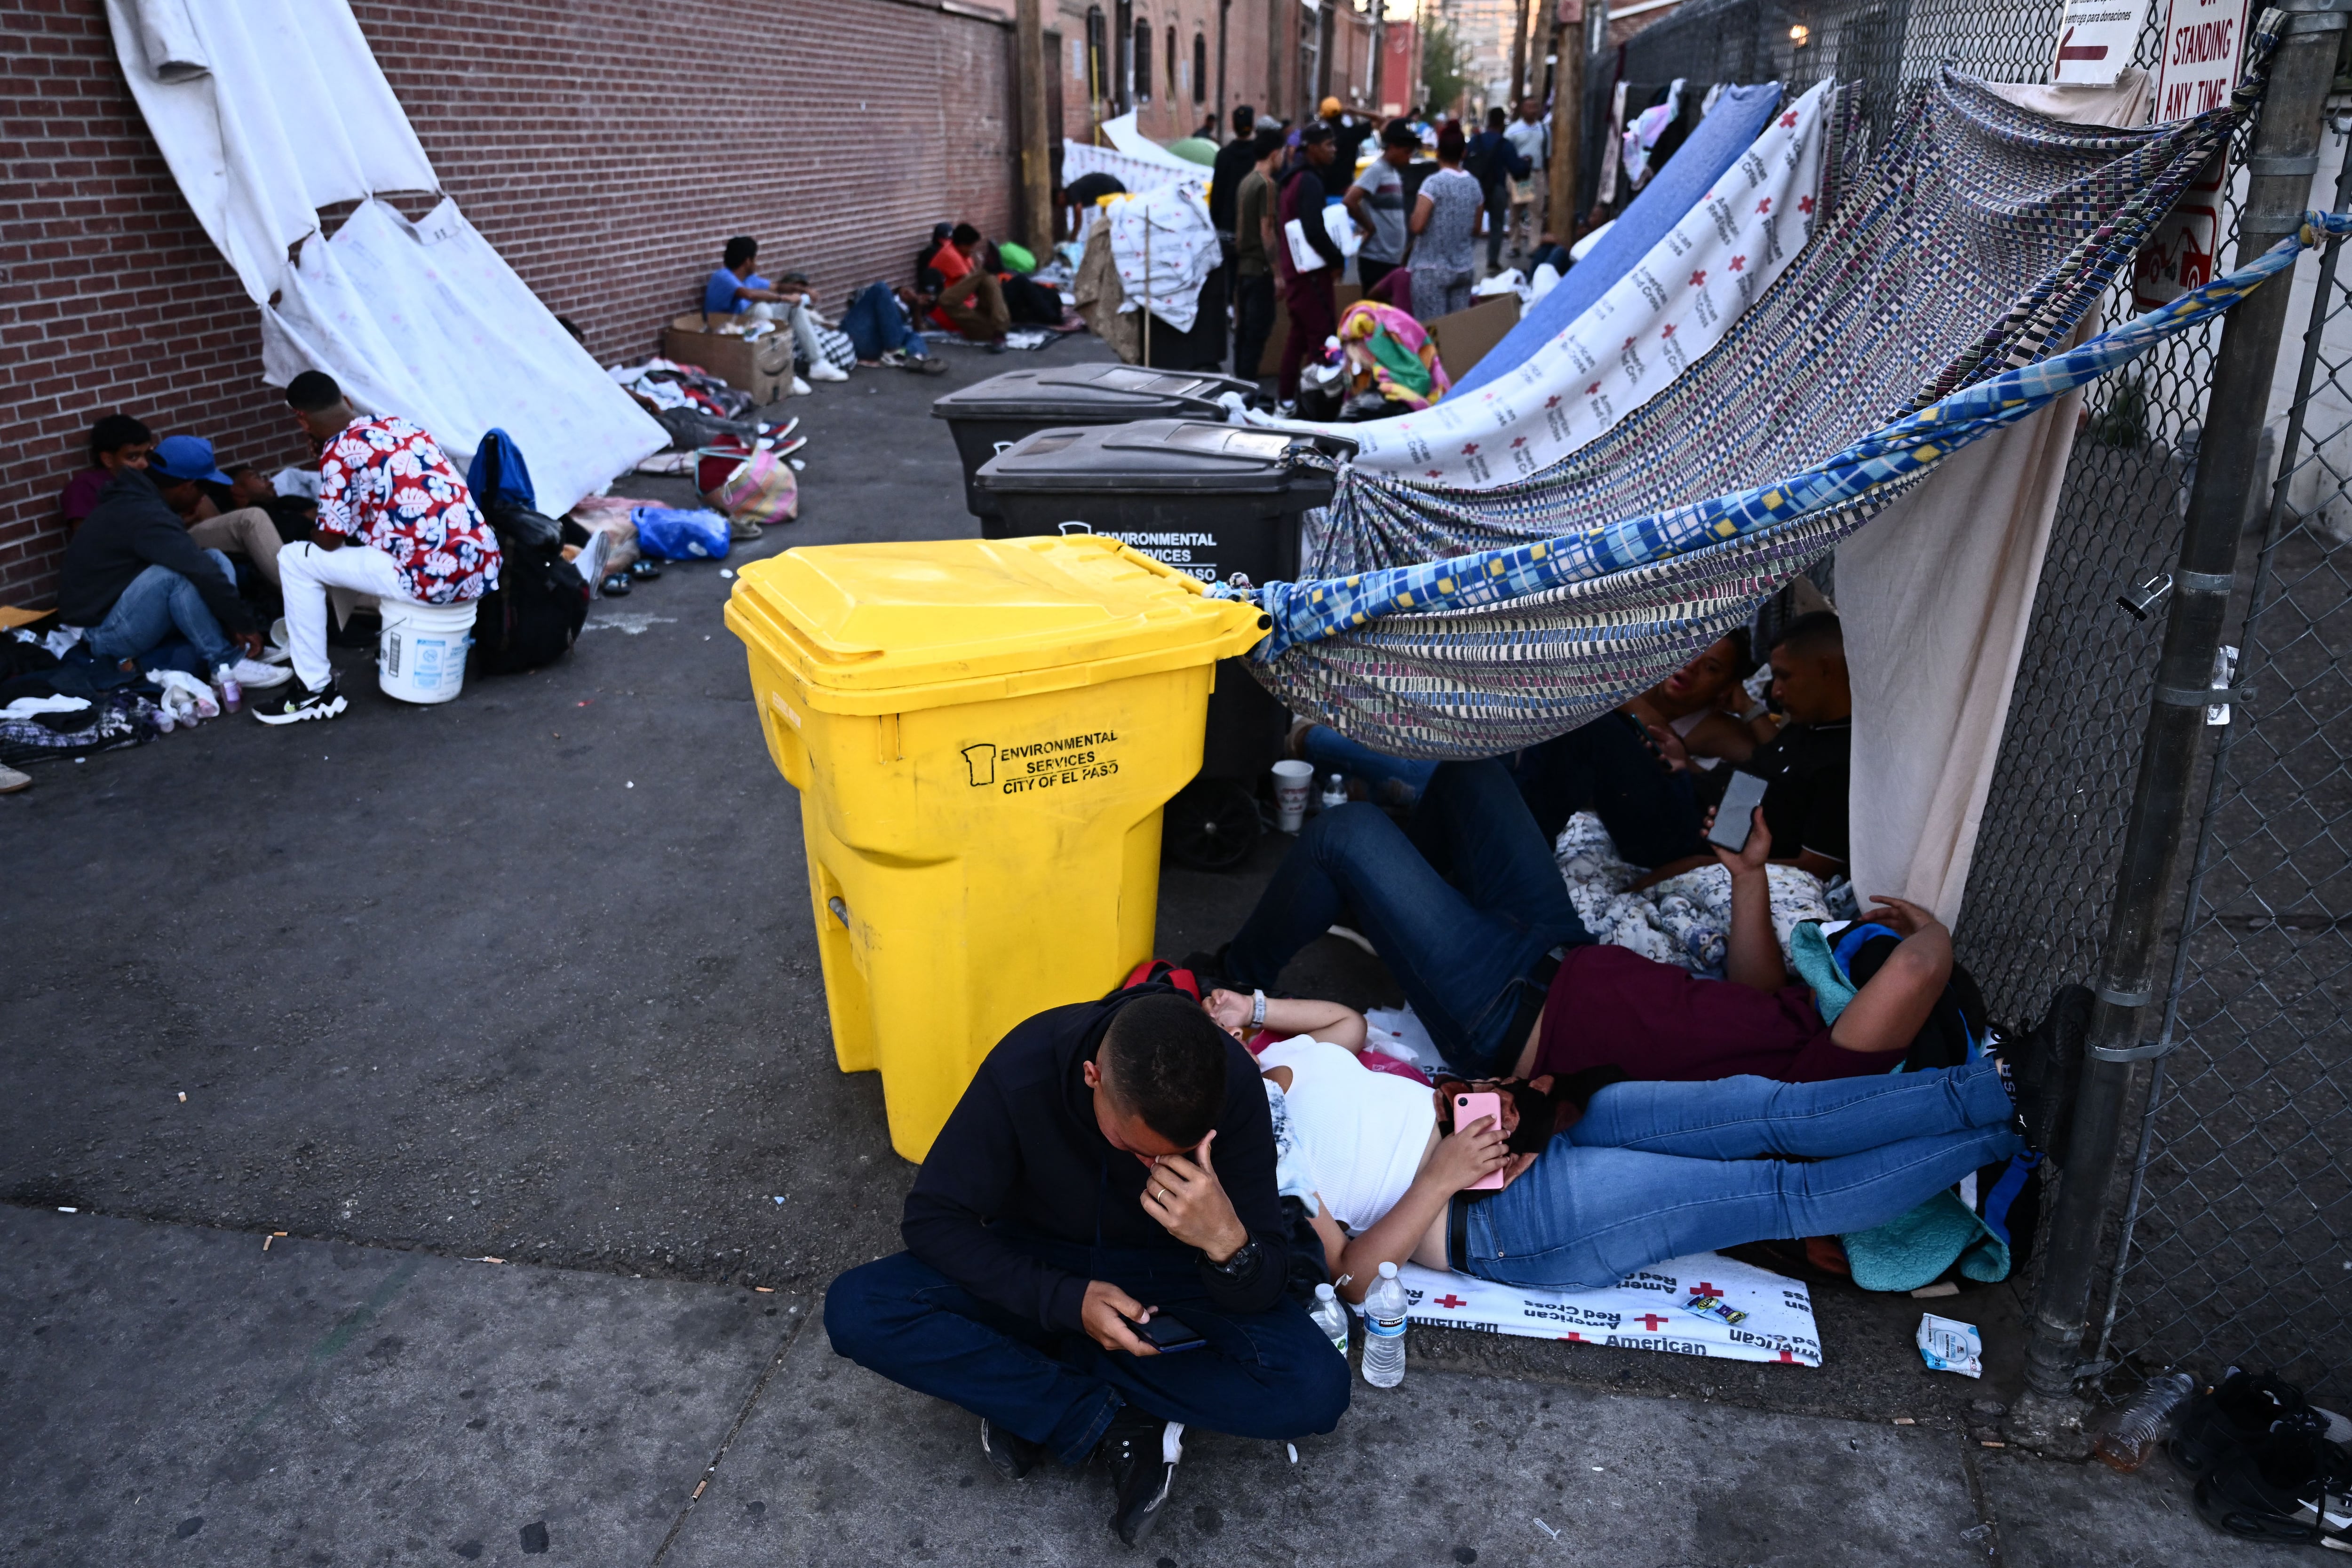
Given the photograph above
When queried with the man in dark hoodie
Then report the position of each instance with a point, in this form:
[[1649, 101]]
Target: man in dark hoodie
[[135, 579], [1108, 1177]]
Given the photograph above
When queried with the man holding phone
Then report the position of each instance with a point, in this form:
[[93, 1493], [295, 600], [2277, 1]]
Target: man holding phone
[[1106, 1182]]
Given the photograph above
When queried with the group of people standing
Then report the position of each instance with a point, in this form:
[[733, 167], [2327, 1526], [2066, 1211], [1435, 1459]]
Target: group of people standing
[[1418, 247]]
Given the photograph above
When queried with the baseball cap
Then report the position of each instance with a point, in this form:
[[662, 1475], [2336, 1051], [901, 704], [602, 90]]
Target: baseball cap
[[186, 457], [1328, 106]]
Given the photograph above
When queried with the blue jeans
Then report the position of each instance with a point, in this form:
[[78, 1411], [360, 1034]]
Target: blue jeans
[[1462, 910], [1606, 767], [1662, 1170], [875, 324], [1396, 780], [159, 603], [1262, 1375]]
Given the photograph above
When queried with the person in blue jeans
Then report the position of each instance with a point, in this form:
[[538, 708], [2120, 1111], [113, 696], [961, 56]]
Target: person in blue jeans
[[878, 329]]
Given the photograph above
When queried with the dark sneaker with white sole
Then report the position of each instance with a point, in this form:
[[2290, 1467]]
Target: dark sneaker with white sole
[[2046, 1068], [1012, 1456], [299, 705], [1142, 1451]]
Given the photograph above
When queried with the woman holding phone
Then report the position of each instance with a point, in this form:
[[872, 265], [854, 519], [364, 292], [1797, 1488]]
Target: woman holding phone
[[1647, 1171]]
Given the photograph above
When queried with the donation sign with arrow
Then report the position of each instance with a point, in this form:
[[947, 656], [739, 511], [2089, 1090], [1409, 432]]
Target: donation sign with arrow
[[2095, 38]]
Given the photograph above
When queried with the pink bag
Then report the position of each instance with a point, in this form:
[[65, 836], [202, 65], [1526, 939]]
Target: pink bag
[[761, 490]]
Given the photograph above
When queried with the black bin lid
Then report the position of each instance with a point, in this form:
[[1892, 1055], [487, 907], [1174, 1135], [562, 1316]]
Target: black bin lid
[[1156, 455], [1100, 395]]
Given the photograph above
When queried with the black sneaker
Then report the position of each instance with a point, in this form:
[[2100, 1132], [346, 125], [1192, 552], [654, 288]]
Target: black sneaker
[[2293, 1485], [1012, 1456], [1142, 1450], [2046, 1068], [294, 706]]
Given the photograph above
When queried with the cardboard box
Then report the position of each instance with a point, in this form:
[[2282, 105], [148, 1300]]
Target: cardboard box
[[763, 369], [1468, 336]]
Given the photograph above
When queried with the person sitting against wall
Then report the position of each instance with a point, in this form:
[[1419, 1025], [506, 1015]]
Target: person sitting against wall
[[961, 295], [734, 289], [880, 323], [1468, 908], [395, 519], [1600, 1183], [147, 595], [245, 528], [116, 441]]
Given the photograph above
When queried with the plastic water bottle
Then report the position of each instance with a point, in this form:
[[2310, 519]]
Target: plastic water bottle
[[2132, 1432], [1384, 1330], [1335, 792], [232, 694], [1331, 1317]]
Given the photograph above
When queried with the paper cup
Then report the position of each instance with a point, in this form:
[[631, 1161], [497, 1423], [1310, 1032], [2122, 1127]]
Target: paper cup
[[1293, 782]]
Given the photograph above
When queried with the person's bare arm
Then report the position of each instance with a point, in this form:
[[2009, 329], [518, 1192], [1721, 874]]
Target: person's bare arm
[[1288, 1015], [1752, 951], [1466, 1157], [1720, 734], [1891, 1006], [1354, 200]]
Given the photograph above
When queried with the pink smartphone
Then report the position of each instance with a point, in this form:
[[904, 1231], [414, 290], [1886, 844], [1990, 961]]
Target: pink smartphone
[[1468, 1108]]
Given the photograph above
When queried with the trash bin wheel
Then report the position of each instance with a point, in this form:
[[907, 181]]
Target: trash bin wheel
[[1211, 825]]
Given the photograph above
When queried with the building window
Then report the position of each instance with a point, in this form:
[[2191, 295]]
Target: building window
[[1199, 67], [1175, 93], [1142, 61]]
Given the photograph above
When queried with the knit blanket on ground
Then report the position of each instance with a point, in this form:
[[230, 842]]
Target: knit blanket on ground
[[1978, 239]]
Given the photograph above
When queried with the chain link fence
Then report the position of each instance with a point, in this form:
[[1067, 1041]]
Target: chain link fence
[[2240, 1193]]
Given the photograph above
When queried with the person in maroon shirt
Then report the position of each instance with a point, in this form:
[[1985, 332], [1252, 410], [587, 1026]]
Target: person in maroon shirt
[[116, 441]]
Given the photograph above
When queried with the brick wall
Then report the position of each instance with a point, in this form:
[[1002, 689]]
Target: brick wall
[[605, 157]]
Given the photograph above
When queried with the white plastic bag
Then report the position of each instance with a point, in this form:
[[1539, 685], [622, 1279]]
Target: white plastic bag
[[1342, 228], [1304, 256]]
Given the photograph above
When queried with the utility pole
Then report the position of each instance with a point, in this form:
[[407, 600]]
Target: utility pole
[[2048, 1417], [1036, 152], [1519, 57], [1567, 117]]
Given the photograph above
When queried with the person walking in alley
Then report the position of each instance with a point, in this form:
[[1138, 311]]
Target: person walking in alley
[[395, 519], [1101, 1198], [1310, 293]]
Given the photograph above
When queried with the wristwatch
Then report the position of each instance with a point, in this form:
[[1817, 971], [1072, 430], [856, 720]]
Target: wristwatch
[[1238, 1266]]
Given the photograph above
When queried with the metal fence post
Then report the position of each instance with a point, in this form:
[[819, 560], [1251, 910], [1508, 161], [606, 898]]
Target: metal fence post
[[2281, 163]]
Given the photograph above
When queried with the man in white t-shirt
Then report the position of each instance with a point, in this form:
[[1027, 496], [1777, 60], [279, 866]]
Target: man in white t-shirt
[[1529, 136]]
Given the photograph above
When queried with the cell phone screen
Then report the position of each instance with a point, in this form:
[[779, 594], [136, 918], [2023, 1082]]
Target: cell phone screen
[[1733, 819], [1168, 1335]]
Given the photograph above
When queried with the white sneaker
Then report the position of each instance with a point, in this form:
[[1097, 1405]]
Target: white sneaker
[[11, 780], [254, 675], [826, 370], [799, 387]]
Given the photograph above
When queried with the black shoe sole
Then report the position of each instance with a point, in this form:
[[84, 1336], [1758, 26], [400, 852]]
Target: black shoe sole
[[1133, 1527], [2050, 1071]]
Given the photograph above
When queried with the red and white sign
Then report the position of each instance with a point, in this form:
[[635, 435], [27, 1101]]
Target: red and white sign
[[2095, 39], [2202, 42], [2179, 257]]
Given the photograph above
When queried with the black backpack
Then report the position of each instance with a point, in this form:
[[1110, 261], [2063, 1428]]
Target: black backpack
[[534, 615]]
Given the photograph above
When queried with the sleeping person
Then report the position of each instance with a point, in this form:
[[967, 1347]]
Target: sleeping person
[[1646, 1172]]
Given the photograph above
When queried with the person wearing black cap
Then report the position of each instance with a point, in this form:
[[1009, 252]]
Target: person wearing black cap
[[137, 581], [1310, 294]]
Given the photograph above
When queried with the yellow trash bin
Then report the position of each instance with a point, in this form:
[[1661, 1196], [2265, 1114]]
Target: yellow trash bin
[[982, 732]]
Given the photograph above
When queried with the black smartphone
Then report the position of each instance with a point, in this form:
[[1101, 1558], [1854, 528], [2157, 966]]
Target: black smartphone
[[1168, 1335], [1735, 815]]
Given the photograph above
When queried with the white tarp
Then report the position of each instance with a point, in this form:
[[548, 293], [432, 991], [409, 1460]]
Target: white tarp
[[1135, 145], [274, 108], [1674, 304], [1164, 247], [1706, 1304]]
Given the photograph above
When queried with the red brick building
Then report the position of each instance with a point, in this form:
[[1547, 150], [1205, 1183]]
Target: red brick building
[[605, 148]]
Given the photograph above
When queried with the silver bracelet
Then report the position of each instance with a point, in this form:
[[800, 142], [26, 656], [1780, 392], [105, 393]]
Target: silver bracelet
[[1257, 1010]]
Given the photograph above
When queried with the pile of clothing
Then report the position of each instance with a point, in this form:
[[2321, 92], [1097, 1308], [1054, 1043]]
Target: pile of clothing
[[1683, 920]]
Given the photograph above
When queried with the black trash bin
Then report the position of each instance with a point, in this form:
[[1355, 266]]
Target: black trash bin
[[988, 416], [1220, 502]]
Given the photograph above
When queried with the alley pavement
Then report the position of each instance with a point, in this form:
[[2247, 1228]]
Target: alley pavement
[[421, 1142]]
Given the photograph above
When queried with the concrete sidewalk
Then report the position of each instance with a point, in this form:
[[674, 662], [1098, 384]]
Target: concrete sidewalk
[[174, 1395]]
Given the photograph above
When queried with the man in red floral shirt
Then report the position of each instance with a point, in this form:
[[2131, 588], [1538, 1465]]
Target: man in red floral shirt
[[395, 520]]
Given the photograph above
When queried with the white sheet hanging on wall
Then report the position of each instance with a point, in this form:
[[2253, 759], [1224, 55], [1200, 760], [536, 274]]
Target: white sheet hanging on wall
[[1674, 304], [1182, 250], [292, 114], [408, 316], [1936, 595]]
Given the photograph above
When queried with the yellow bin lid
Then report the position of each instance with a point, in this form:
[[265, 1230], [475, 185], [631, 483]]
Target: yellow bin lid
[[892, 628]]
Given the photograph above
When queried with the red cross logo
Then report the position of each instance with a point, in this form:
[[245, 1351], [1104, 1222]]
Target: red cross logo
[[1469, 449], [1788, 1356], [1553, 402], [1789, 117], [1572, 1334], [1588, 391], [1450, 1300], [1518, 442], [1805, 205], [1765, 205], [1698, 280], [1707, 1290], [1667, 330], [1738, 262], [1651, 1321], [1629, 343], [1437, 473]]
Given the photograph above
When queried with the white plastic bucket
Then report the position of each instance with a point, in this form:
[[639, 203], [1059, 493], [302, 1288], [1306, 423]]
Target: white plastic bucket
[[422, 655]]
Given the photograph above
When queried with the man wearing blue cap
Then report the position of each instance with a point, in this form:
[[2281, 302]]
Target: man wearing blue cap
[[135, 579]]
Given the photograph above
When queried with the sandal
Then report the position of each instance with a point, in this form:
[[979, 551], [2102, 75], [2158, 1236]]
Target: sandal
[[615, 586], [644, 568]]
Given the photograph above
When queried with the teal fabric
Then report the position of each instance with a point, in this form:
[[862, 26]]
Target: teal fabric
[[1917, 1248], [1818, 967]]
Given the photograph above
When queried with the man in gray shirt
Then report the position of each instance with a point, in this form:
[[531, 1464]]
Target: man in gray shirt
[[1376, 202]]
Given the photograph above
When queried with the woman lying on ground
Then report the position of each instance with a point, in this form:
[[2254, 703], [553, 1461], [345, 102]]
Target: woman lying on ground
[[1647, 1171]]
